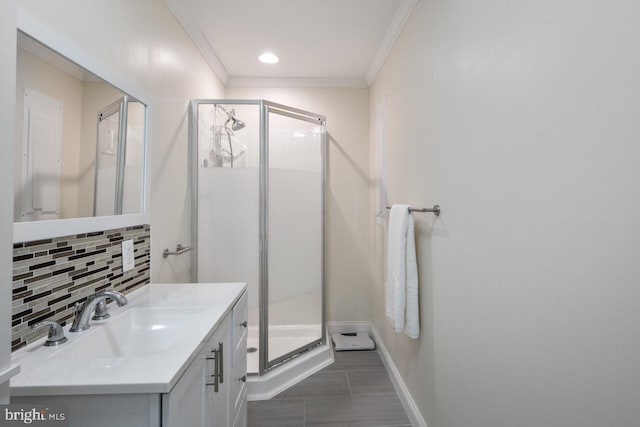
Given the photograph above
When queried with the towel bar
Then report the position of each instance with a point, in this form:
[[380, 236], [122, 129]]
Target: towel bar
[[179, 251], [435, 209]]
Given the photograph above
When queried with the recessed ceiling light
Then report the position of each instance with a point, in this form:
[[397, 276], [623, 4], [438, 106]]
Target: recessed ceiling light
[[268, 58]]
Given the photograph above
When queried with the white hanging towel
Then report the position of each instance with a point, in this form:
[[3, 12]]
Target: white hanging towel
[[402, 273], [412, 317]]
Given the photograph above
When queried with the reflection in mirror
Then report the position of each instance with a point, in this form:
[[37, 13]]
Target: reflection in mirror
[[80, 142], [119, 166]]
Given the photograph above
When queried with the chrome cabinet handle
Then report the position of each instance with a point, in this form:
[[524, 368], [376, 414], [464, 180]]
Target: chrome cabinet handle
[[216, 382], [215, 370], [56, 334], [221, 369], [244, 324]]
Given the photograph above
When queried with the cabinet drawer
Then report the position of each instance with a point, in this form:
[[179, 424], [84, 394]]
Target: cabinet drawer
[[239, 329]]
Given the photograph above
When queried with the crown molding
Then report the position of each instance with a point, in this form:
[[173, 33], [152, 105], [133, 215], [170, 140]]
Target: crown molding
[[189, 25], [295, 82], [395, 28], [193, 31]]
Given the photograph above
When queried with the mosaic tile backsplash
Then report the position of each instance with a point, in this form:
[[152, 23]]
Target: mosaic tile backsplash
[[51, 275]]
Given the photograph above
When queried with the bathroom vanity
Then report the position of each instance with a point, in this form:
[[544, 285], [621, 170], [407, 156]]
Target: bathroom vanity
[[175, 355]]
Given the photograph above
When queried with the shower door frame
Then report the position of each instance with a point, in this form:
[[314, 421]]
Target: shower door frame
[[265, 108], [121, 107]]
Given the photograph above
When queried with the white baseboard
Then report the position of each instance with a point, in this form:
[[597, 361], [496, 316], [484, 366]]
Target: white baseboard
[[416, 418], [409, 405]]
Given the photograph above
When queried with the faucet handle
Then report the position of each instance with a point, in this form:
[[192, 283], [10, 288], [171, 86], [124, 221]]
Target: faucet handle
[[56, 333], [101, 312]]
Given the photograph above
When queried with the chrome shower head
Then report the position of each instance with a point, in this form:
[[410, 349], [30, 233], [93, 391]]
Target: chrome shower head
[[236, 124]]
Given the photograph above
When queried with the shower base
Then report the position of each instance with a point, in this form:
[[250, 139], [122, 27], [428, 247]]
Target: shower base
[[282, 340], [291, 372]]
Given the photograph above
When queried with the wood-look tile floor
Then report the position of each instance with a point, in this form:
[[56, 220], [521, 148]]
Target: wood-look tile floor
[[355, 391]]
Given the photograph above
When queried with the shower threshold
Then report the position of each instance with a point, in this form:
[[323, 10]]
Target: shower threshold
[[283, 339]]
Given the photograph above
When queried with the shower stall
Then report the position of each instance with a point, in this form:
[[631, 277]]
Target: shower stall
[[258, 180]]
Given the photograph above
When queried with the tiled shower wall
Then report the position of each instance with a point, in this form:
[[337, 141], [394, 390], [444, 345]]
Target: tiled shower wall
[[51, 275]]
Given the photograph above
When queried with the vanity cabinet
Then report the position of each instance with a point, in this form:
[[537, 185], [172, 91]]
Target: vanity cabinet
[[186, 369], [212, 392]]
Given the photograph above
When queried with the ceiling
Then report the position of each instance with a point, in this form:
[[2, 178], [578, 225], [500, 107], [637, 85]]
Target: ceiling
[[326, 43]]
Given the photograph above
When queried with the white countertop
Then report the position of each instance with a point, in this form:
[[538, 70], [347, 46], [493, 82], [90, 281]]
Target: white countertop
[[177, 319]]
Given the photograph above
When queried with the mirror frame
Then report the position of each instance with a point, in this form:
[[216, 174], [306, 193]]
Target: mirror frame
[[36, 230]]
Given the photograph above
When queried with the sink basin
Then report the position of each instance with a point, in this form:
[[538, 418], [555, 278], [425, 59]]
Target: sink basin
[[144, 347], [136, 333]]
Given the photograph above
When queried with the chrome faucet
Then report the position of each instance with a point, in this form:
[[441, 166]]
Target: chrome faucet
[[81, 321]]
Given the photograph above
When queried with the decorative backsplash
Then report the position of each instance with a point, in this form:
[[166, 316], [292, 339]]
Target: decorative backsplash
[[51, 275]]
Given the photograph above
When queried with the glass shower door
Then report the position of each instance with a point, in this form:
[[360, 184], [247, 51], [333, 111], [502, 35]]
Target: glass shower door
[[226, 185], [294, 222]]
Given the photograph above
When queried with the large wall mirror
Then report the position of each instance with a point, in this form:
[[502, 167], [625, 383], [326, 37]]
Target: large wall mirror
[[80, 144]]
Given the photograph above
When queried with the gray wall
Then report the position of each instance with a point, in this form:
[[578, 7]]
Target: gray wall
[[521, 120]]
